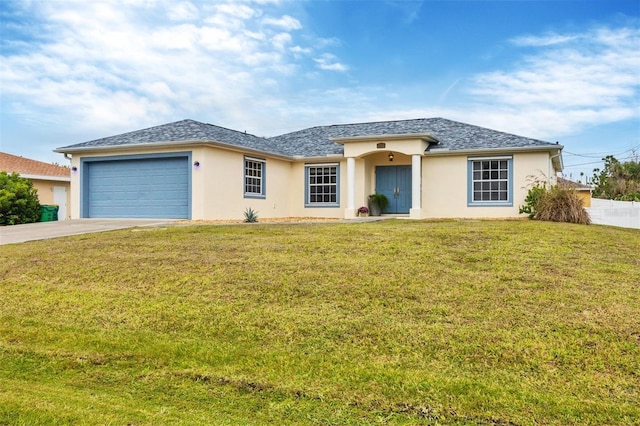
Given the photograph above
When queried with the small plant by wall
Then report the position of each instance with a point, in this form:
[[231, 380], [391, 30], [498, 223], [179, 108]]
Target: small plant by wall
[[250, 215]]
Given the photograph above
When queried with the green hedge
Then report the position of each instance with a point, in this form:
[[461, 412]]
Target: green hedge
[[18, 200]]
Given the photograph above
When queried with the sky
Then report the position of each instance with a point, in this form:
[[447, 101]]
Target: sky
[[566, 71]]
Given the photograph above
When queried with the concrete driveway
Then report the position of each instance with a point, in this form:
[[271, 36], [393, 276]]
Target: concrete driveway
[[45, 230]]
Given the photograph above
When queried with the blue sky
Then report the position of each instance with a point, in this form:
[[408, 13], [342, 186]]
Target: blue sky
[[565, 71]]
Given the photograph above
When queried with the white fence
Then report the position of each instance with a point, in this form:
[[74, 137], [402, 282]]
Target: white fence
[[625, 214]]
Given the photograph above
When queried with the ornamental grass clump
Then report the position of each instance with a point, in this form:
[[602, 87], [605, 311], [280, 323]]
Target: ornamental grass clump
[[560, 204]]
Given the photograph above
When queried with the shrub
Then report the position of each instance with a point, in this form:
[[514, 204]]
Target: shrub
[[18, 200], [555, 204], [250, 215], [380, 199], [532, 199]]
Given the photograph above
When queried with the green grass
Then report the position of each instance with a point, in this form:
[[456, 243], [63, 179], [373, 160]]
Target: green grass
[[393, 322]]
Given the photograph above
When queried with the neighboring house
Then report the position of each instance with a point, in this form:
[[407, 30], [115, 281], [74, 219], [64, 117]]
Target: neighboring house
[[583, 191], [52, 182], [428, 168]]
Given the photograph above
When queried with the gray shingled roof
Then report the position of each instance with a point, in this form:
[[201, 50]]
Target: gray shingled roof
[[317, 141], [182, 131], [451, 135]]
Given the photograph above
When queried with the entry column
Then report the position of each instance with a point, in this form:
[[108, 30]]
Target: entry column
[[416, 187], [350, 211]]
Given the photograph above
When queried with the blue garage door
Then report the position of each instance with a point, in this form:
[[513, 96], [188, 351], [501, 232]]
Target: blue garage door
[[139, 188]]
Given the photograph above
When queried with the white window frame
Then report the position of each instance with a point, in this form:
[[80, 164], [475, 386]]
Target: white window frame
[[254, 178], [490, 181], [310, 182]]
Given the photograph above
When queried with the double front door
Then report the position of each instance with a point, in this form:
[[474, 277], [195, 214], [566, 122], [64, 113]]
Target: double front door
[[395, 183]]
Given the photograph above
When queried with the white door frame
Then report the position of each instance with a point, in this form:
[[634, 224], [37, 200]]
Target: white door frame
[[60, 198]]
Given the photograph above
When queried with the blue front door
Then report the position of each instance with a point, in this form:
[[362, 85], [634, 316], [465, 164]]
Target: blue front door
[[395, 183]]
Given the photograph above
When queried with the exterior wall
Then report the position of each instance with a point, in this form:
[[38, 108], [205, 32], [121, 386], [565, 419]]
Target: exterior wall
[[363, 148], [76, 177], [445, 186], [585, 197], [73, 208], [296, 187], [218, 184], [45, 192]]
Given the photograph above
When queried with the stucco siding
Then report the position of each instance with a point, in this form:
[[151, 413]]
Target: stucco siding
[[296, 187], [445, 186], [218, 184], [45, 190], [585, 197]]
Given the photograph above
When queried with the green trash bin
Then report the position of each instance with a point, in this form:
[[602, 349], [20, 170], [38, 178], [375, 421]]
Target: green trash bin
[[48, 213]]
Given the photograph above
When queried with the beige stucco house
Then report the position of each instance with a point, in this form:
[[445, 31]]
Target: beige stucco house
[[427, 168], [52, 182]]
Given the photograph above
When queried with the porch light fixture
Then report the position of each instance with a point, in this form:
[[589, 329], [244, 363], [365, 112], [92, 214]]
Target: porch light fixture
[[390, 156], [196, 164], [74, 169]]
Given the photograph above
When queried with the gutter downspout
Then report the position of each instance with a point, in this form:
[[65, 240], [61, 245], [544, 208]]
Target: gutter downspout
[[551, 164]]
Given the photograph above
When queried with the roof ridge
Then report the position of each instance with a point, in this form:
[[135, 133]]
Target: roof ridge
[[226, 128], [383, 121], [327, 126]]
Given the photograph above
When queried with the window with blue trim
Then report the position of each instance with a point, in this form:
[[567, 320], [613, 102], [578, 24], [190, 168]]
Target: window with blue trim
[[322, 183], [491, 181], [254, 177]]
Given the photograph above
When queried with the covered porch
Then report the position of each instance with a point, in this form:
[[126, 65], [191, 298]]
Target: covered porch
[[390, 165]]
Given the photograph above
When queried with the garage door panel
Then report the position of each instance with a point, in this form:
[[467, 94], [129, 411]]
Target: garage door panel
[[154, 187]]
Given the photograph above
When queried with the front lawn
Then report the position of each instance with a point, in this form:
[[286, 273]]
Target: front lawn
[[392, 322]]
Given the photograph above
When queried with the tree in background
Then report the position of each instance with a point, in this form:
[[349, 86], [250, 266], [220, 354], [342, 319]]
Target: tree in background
[[18, 200], [618, 181]]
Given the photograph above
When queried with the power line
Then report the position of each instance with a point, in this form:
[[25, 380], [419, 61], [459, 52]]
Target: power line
[[631, 157], [600, 155]]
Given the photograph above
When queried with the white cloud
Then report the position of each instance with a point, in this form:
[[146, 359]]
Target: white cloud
[[107, 68], [281, 40], [183, 11], [110, 67], [241, 11], [286, 22], [329, 62], [178, 37], [546, 40], [218, 39], [576, 81], [324, 42], [300, 50]]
